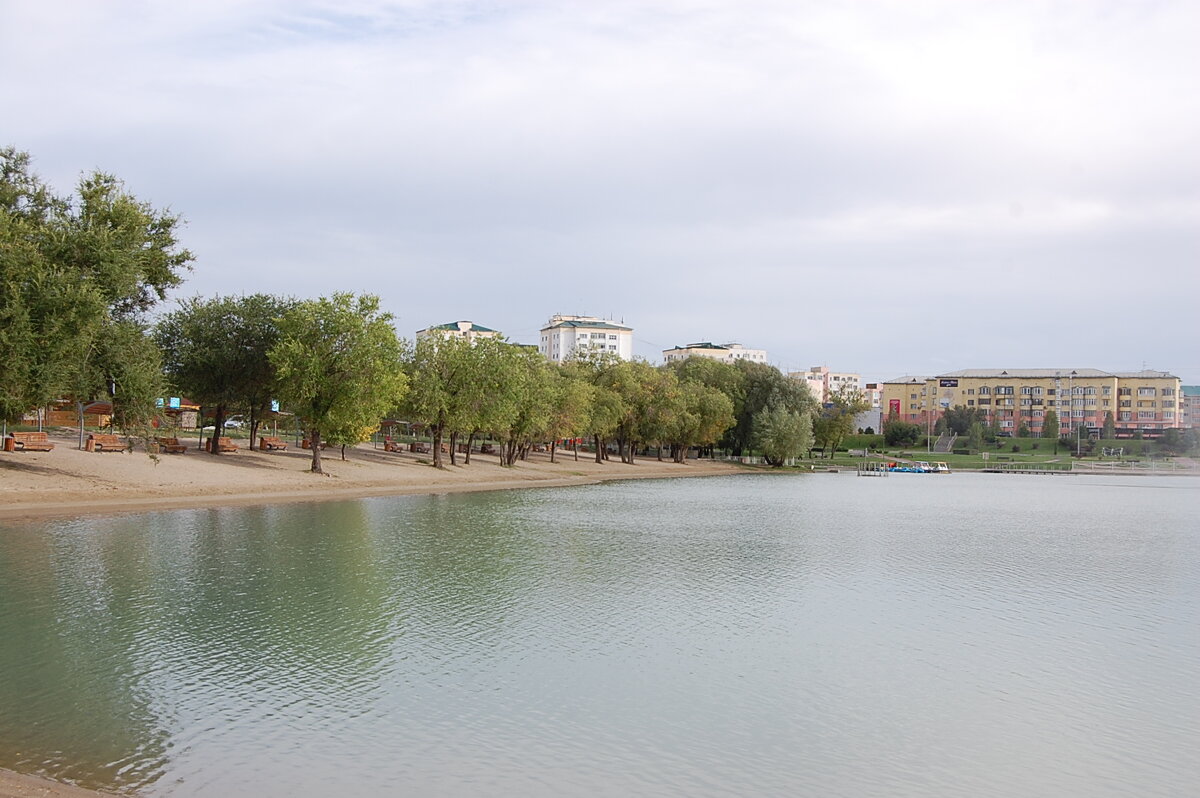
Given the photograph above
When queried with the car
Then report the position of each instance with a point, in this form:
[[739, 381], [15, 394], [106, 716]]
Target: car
[[234, 423]]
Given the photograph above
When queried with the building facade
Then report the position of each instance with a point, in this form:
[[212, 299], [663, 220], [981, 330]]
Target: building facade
[[1141, 402], [823, 383], [460, 329], [1190, 407], [564, 336], [728, 353]]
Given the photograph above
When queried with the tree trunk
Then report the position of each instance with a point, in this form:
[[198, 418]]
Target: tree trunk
[[218, 428], [437, 446], [576, 450], [660, 448], [454, 448], [599, 449], [343, 452], [80, 425], [470, 443], [253, 428], [553, 446], [314, 442]]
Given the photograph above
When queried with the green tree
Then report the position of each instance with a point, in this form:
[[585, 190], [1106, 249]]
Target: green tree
[[77, 276], [959, 418], [836, 420], [900, 433], [764, 386], [1110, 426], [1050, 428], [704, 415], [975, 436], [217, 352], [338, 366], [439, 369], [781, 434]]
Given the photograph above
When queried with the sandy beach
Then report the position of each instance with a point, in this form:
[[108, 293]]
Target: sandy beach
[[67, 482]]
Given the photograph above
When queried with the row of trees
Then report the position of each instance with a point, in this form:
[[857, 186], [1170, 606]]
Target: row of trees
[[338, 365]]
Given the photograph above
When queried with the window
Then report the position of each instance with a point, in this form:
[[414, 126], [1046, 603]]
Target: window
[[1026, 402], [1108, 390], [1004, 390], [1168, 402], [1026, 390], [912, 396], [970, 392], [1145, 392], [1168, 391], [985, 401], [1038, 391], [1168, 415], [1145, 415], [1089, 391], [612, 337], [984, 391], [970, 403], [1126, 415], [1076, 414], [1124, 391], [1006, 424], [612, 347], [1126, 403]]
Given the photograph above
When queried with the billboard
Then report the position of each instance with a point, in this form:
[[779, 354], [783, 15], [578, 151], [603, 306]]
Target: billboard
[[947, 383], [894, 407]]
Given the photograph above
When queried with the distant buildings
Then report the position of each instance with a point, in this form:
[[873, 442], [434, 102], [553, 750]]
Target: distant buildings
[[823, 383], [460, 329], [1141, 402], [562, 336], [1189, 407], [728, 353]]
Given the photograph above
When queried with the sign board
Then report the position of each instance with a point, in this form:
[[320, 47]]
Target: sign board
[[274, 405], [173, 402], [947, 383], [894, 406], [158, 402]]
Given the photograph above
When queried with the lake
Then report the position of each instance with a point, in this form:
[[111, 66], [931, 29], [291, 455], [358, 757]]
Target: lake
[[750, 635]]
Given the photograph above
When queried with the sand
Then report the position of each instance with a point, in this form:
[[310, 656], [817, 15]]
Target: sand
[[17, 785], [68, 482]]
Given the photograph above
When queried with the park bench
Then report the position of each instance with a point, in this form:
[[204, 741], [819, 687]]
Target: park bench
[[98, 442], [305, 443], [419, 448], [30, 442], [170, 445], [270, 443], [223, 444], [390, 445]]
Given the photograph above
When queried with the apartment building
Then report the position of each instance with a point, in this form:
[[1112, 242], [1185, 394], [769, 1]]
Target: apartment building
[[823, 383], [563, 336], [460, 329], [728, 353], [1189, 408], [1145, 402]]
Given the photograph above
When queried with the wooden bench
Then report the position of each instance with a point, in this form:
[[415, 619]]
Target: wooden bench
[[305, 443], [270, 443], [30, 442], [419, 448], [390, 445], [224, 444], [98, 442], [170, 445]]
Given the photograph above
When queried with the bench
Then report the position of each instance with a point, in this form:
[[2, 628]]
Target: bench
[[223, 445], [305, 443], [30, 442], [98, 442], [270, 443], [390, 445], [170, 445], [419, 448]]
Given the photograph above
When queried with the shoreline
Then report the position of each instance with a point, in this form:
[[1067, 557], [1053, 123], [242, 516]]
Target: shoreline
[[69, 483], [23, 785]]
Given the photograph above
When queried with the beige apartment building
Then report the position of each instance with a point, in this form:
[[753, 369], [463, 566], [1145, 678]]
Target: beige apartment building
[[1143, 401], [823, 383]]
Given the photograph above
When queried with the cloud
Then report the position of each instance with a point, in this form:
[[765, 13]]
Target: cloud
[[775, 171]]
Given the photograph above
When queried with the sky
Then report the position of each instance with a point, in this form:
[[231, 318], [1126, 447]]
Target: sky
[[886, 188]]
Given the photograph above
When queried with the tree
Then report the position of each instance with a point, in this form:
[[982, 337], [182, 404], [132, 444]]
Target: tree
[[836, 420], [781, 434], [439, 369], [975, 436], [959, 419], [1110, 426], [1050, 428], [77, 276], [763, 386], [704, 415], [217, 352], [900, 433], [338, 366]]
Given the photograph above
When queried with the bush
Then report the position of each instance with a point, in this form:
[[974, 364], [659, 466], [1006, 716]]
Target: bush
[[901, 433], [1016, 447], [961, 451]]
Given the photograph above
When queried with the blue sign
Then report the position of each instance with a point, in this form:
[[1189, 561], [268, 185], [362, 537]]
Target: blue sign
[[158, 402], [274, 406], [173, 402]]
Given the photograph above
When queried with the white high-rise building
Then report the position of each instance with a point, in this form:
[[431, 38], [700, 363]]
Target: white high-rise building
[[564, 336]]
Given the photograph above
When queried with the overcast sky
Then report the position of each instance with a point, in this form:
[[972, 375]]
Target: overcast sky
[[882, 187]]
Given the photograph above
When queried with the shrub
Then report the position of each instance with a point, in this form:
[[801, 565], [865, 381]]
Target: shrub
[[1016, 447]]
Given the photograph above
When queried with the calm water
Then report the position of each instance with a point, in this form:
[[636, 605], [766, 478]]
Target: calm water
[[824, 635]]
